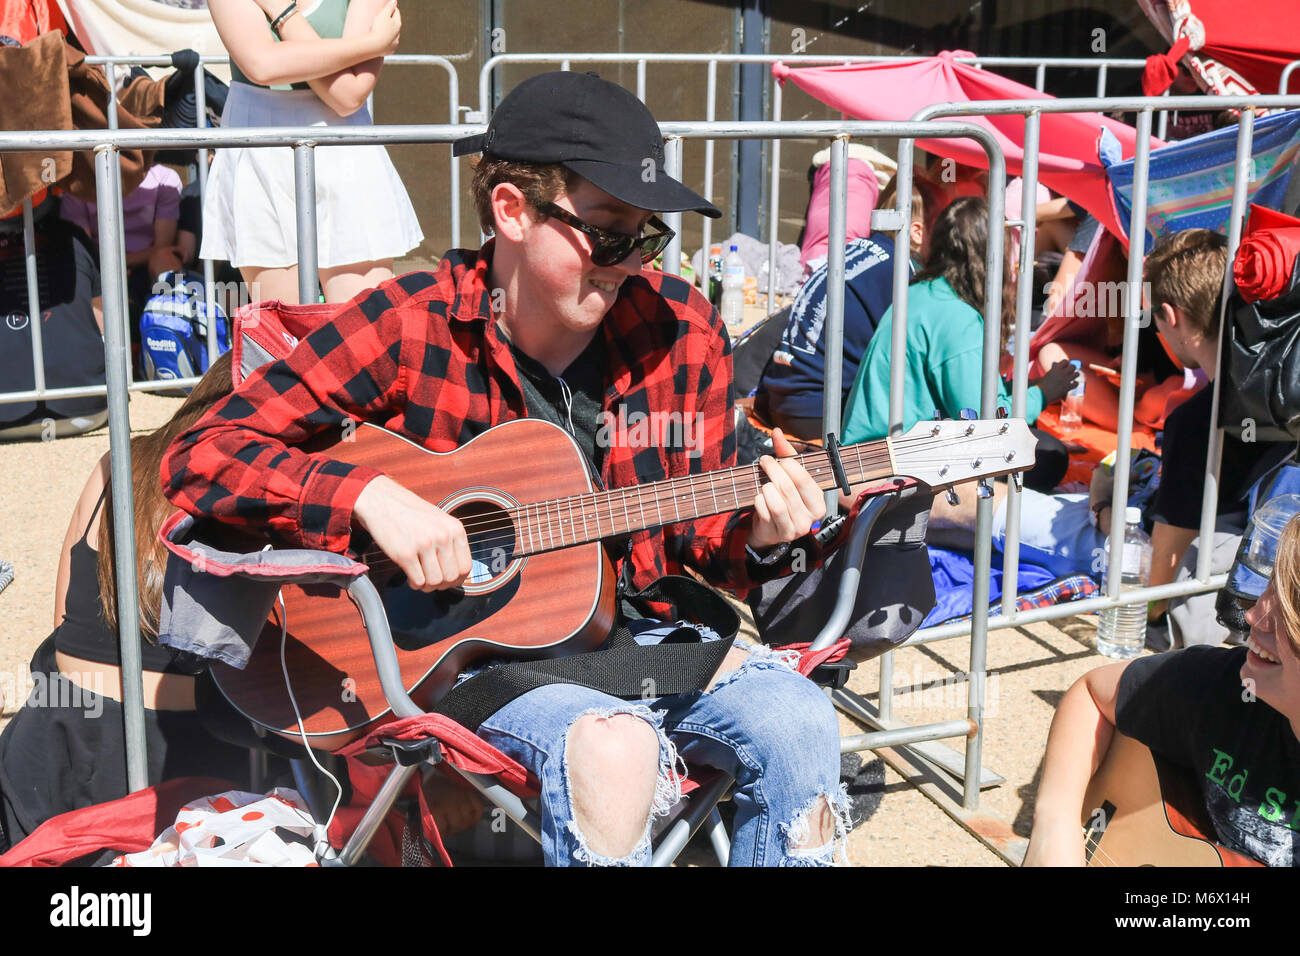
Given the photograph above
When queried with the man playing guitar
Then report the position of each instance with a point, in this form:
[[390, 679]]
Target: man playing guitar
[[554, 318], [1230, 715]]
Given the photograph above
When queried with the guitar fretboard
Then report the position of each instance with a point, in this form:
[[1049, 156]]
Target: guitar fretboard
[[564, 522]]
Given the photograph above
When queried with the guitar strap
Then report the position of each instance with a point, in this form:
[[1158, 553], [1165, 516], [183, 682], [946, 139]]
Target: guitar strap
[[680, 664]]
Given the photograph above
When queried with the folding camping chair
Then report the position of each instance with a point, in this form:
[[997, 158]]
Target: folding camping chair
[[244, 588]]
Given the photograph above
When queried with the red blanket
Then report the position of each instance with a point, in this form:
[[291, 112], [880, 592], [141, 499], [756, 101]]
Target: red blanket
[[1266, 258]]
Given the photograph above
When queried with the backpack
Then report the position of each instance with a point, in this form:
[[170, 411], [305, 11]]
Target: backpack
[[174, 329]]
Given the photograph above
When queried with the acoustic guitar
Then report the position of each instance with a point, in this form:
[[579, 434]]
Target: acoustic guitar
[[1141, 810], [543, 584]]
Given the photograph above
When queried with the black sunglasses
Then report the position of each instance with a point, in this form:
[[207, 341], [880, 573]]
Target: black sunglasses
[[610, 248]]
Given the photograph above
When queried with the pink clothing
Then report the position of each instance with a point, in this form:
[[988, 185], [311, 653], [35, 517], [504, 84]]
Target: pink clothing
[[1014, 197], [1068, 162], [158, 197], [863, 192]]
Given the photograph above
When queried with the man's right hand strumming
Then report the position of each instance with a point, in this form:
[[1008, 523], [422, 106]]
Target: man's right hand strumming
[[428, 544]]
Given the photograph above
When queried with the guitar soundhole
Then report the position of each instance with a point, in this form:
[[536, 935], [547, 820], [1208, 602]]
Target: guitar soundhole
[[491, 536]]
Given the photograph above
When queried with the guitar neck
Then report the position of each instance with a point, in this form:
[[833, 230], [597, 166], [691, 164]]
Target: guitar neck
[[563, 522]]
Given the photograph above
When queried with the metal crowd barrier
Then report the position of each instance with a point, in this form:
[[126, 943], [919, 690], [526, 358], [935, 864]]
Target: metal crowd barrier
[[711, 60], [304, 141], [40, 392], [979, 622], [1283, 83], [1144, 107]]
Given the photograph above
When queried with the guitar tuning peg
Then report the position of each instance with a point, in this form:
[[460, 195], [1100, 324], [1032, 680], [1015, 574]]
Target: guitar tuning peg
[[983, 489], [1018, 479], [952, 497], [1002, 412], [968, 414]]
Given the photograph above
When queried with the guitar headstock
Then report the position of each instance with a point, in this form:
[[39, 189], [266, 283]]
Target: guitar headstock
[[952, 452]]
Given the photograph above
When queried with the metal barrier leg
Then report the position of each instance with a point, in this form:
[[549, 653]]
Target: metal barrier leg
[[887, 685], [117, 359], [33, 297], [304, 177], [936, 756]]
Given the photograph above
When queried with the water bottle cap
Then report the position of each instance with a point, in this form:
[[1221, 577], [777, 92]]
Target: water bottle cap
[[734, 247], [713, 249], [1132, 515], [1077, 363]]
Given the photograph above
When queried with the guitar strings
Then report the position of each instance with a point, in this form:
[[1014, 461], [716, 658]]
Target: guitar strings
[[536, 520], [1094, 844], [654, 494], [693, 484]]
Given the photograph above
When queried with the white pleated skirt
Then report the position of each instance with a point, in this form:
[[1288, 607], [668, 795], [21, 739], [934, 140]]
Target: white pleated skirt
[[362, 210]]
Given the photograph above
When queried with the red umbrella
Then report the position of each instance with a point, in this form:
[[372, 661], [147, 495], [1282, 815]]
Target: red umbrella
[[1067, 160]]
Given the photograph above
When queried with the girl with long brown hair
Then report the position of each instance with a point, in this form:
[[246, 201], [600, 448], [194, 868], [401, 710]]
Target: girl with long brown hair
[[944, 367], [66, 748]]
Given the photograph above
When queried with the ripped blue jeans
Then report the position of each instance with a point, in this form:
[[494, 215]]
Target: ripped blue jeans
[[768, 726]]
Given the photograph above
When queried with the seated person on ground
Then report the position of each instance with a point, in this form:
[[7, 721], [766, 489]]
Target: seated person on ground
[[66, 749], [790, 394], [581, 334], [67, 282], [1096, 343], [1065, 533], [945, 345], [149, 222], [1230, 716], [1071, 259]]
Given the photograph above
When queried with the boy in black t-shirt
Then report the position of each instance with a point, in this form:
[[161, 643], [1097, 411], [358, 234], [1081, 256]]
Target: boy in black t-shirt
[[1184, 273], [1229, 715]]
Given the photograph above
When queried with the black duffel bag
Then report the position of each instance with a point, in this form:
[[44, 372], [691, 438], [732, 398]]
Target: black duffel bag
[[1260, 367]]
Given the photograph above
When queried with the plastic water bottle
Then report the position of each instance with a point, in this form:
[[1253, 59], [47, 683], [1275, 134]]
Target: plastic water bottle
[[1122, 631], [733, 290], [1072, 404]]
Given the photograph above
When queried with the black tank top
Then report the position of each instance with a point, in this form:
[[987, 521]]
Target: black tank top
[[83, 632]]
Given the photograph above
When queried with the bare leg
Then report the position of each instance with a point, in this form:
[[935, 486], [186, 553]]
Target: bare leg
[[271, 284], [342, 283], [613, 767]]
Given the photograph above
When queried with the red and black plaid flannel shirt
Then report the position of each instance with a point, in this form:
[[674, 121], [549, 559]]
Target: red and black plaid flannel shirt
[[421, 356]]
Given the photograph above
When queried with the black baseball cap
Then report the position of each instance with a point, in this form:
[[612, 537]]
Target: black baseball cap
[[593, 127]]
